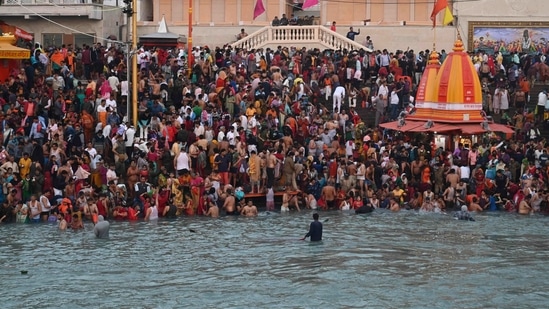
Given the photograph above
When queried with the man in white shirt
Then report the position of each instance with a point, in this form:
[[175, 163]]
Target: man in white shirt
[[130, 138], [244, 122], [465, 173], [198, 129], [542, 99], [111, 102], [393, 107], [107, 131], [349, 147], [114, 83], [10, 164], [124, 88], [90, 150], [231, 136], [196, 52], [252, 125], [221, 134], [339, 94]]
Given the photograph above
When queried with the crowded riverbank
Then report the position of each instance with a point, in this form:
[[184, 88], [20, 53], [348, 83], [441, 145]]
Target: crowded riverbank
[[279, 127]]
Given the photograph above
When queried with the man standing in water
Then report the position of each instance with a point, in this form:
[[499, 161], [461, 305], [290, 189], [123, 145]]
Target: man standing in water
[[101, 229], [315, 229], [230, 204]]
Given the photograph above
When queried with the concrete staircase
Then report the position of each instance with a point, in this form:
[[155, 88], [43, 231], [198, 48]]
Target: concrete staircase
[[299, 36]]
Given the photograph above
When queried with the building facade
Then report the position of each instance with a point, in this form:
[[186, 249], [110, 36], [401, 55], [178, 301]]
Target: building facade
[[392, 24], [57, 22]]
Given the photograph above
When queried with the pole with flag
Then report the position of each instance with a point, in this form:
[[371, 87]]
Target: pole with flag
[[309, 3], [441, 5], [448, 17], [259, 8]]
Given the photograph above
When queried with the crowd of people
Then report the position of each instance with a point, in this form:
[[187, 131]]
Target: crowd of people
[[219, 124]]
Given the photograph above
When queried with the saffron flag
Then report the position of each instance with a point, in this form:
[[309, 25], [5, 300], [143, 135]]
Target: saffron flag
[[259, 8], [437, 8], [309, 3], [448, 17]]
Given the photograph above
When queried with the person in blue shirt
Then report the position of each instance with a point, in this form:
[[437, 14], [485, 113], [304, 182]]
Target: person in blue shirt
[[351, 34], [315, 229]]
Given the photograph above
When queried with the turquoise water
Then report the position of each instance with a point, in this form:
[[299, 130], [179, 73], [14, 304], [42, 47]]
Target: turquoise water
[[384, 260]]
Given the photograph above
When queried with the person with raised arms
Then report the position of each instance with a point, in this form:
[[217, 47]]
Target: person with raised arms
[[315, 229]]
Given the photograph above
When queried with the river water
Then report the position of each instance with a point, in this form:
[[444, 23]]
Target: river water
[[383, 260]]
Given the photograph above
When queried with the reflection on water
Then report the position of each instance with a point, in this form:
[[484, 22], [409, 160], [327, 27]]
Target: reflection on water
[[385, 260]]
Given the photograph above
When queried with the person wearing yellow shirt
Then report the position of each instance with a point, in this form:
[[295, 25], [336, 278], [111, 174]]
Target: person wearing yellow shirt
[[263, 64], [499, 59], [24, 165], [254, 171], [399, 194], [250, 111]]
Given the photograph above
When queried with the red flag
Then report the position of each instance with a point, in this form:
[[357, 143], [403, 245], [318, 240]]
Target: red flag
[[23, 34], [259, 8], [309, 3], [440, 5]]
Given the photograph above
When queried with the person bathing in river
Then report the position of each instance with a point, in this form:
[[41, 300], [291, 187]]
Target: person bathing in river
[[315, 229], [213, 210], [464, 214], [289, 200], [230, 204], [249, 210]]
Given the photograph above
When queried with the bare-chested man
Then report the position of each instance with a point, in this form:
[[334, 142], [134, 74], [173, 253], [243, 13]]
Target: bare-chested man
[[90, 210], [524, 205], [452, 178], [213, 210], [329, 195], [393, 205], [230, 204], [271, 163], [416, 168], [474, 205], [289, 199], [249, 210]]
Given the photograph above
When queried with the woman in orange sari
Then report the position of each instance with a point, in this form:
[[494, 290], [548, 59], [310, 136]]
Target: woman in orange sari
[[425, 178]]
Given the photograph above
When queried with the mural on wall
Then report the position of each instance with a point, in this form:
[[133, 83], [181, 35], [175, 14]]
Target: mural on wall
[[508, 37]]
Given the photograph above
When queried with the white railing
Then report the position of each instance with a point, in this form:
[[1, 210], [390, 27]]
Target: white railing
[[44, 2], [288, 35]]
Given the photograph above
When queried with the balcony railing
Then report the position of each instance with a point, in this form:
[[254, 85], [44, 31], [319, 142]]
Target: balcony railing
[[45, 2], [287, 35]]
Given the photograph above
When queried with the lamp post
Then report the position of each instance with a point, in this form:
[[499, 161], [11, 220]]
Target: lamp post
[[130, 11], [190, 40], [133, 54]]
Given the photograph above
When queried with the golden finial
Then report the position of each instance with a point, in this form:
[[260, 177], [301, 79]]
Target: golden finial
[[434, 58], [458, 44]]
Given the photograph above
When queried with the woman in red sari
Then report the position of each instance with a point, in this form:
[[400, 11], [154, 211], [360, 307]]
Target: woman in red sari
[[197, 190], [479, 181]]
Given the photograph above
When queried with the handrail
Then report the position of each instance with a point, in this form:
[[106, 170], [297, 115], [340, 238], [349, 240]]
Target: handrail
[[49, 2], [298, 34]]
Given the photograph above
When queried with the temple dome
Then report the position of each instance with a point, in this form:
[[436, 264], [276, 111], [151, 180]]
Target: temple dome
[[455, 95], [423, 93]]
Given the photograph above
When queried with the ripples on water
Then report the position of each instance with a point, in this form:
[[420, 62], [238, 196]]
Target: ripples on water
[[384, 260]]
